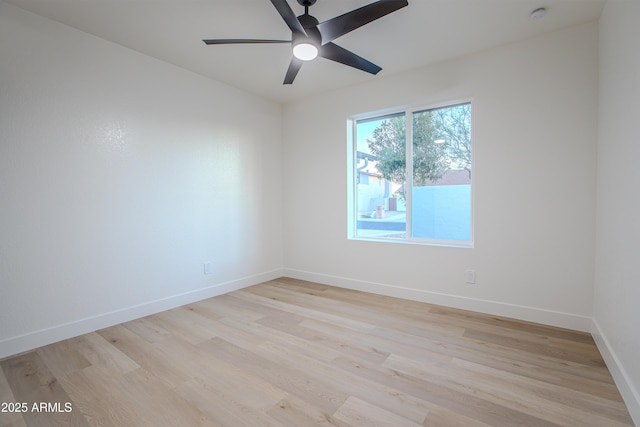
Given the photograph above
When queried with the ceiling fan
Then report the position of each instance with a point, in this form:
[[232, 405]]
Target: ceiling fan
[[310, 38]]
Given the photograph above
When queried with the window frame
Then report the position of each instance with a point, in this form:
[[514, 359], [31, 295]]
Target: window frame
[[352, 193]]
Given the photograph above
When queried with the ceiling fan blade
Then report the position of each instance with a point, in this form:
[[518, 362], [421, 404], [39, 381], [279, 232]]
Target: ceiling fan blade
[[341, 25], [242, 41], [292, 71], [339, 54], [289, 17]]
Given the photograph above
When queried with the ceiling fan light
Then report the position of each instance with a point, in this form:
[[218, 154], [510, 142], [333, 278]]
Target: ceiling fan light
[[305, 51]]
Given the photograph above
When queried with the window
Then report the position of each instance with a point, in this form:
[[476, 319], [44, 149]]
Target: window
[[410, 175]]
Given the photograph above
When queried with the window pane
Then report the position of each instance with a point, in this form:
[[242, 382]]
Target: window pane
[[380, 174], [441, 190]]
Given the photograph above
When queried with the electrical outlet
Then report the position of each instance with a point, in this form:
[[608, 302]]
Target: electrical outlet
[[207, 268], [471, 277]]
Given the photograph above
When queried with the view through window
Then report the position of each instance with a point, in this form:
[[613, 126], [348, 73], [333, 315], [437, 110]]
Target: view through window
[[412, 175]]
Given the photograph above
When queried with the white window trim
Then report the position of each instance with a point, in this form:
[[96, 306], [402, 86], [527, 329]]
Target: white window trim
[[408, 110]]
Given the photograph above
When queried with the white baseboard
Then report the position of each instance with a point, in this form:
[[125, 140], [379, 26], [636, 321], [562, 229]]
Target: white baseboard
[[35, 339], [629, 393], [530, 314]]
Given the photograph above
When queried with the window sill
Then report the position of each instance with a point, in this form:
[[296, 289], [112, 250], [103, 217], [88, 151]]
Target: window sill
[[417, 242]]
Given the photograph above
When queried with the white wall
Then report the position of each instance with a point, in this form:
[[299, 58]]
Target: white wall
[[120, 175], [616, 310], [535, 112]]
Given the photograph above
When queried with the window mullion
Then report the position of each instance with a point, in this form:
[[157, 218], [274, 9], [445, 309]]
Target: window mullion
[[352, 179], [409, 172]]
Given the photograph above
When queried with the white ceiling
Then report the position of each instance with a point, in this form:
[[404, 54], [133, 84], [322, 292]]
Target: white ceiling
[[425, 32]]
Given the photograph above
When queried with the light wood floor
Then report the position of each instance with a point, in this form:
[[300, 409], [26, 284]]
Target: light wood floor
[[292, 353]]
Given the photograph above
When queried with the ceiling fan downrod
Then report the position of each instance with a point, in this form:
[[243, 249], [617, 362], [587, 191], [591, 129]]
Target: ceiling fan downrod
[[306, 4]]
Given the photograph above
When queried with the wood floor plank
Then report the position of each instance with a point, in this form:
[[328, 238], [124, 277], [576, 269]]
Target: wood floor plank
[[318, 303], [219, 411], [190, 325], [305, 312], [99, 352], [63, 357], [292, 411], [159, 405], [517, 325], [102, 397], [583, 406], [295, 353], [382, 396], [330, 344], [8, 421], [146, 355], [374, 344], [441, 417], [359, 413], [580, 357], [477, 347], [294, 381], [147, 329], [11, 418], [228, 306], [277, 332], [228, 405], [463, 402], [33, 383], [555, 371], [545, 401]]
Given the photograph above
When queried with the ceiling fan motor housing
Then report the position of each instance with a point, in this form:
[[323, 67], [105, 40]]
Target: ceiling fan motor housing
[[309, 24]]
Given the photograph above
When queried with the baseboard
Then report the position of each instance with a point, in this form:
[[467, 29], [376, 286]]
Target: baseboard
[[530, 314], [19, 344], [629, 393]]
